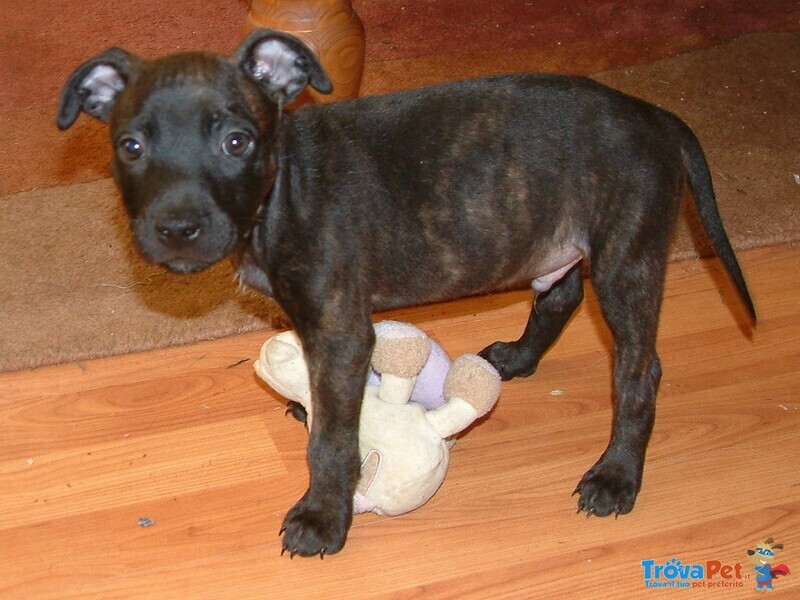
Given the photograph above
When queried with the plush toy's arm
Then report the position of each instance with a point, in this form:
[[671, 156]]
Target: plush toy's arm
[[401, 351], [471, 389]]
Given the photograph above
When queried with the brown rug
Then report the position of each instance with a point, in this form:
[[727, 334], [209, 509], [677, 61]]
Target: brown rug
[[72, 288]]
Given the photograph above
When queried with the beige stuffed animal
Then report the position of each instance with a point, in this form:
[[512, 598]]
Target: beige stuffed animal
[[404, 446]]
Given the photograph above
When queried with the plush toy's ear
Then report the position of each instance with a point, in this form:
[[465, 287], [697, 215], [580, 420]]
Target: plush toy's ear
[[281, 364], [281, 64], [95, 86]]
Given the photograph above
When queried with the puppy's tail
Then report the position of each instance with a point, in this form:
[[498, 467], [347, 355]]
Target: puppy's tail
[[694, 161]]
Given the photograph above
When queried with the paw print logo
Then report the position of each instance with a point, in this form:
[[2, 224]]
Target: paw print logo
[[763, 559]]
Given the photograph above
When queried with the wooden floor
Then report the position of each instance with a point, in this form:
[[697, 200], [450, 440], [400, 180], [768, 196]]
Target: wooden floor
[[189, 439]]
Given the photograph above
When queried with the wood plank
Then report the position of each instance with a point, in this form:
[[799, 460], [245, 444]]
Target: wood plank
[[189, 438]]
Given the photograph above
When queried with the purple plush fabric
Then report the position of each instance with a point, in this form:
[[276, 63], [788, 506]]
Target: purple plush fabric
[[429, 388]]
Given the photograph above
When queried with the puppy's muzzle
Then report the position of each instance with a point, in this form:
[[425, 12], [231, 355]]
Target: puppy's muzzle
[[184, 231]]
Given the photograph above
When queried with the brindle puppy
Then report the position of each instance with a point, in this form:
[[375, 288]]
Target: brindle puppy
[[341, 210]]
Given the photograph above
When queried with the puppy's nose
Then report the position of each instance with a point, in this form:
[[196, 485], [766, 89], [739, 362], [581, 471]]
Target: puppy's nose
[[178, 230]]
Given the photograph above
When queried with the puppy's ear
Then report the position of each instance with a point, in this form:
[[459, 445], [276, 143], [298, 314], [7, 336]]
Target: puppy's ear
[[95, 86], [281, 64]]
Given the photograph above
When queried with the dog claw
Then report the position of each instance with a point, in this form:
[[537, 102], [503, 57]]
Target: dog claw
[[294, 552]]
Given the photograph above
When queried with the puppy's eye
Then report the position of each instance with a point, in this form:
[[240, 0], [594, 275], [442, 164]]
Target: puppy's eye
[[131, 149], [237, 144]]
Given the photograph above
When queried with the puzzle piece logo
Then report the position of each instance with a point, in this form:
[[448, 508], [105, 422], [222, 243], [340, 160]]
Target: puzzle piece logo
[[763, 559]]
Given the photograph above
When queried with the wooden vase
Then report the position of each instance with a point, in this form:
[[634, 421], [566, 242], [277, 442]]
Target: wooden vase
[[331, 28]]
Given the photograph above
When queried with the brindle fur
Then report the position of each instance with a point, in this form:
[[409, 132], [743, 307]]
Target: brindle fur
[[387, 201]]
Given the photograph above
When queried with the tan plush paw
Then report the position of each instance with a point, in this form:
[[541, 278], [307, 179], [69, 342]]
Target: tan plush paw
[[400, 349], [475, 381]]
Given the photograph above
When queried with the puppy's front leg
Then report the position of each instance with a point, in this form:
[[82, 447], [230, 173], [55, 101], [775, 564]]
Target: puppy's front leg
[[338, 360]]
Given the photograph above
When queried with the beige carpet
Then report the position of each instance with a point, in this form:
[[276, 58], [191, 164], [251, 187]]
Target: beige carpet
[[72, 288]]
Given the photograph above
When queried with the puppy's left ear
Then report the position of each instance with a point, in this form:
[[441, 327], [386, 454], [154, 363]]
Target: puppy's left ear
[[95, 85], [281, 64]]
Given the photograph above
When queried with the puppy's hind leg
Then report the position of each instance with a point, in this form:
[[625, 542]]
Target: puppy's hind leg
[[630, 298], [550, 312]]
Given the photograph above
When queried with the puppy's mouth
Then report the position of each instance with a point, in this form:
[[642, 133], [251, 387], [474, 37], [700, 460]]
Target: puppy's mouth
[[185, 267]]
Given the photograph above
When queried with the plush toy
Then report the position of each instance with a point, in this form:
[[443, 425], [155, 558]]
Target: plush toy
[[414, 403]]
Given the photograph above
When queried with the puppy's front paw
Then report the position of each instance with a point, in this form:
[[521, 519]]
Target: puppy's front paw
[[298, 411], [607, 488], [313, 527]]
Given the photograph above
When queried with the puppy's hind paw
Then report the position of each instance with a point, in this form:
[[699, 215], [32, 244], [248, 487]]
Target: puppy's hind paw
[[510, 359], [605, 490]]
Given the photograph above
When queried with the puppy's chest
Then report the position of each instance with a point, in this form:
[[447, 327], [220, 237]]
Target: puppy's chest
[[250, 274]]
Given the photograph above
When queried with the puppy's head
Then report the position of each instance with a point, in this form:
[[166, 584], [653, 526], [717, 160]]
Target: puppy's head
[[193, 135]]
